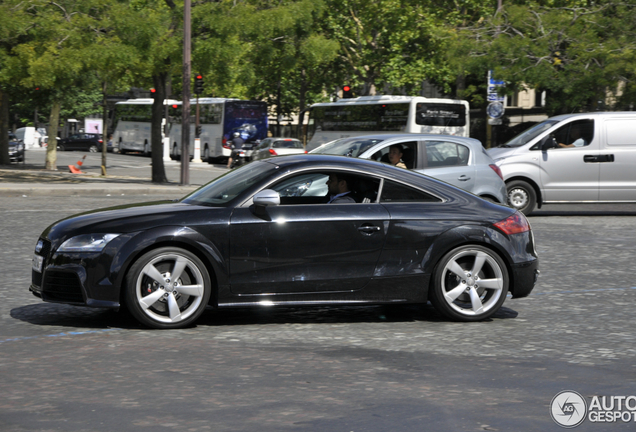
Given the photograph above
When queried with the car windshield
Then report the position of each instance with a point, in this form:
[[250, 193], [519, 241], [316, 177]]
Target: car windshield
[[224, 189], [353, 147], [528, 135]]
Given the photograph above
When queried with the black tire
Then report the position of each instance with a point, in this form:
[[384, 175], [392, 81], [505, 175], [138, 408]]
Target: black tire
[[158, 299], [147, 150], [469, 283], [206, 154], [60, 147], [93, 148], [521, 196]]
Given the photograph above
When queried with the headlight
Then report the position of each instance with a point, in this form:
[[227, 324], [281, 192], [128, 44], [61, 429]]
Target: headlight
[[87, 243]]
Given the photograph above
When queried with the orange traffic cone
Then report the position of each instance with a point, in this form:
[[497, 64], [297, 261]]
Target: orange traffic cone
[[77, 170]]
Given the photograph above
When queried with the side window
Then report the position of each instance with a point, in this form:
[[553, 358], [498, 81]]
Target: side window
[[445, 154], [579, 133], [312, 188], [397, 192], [408, 153]]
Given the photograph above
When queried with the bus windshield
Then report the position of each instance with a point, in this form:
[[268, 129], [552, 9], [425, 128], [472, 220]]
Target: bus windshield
[[530, 134]]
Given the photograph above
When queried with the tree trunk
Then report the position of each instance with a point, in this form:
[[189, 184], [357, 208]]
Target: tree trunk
[[158, 169], [301, 105], [4, 128], [104, 129], [51, 148]]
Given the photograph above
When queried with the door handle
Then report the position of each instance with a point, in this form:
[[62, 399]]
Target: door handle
[[463, 178], [598, 158], [590, 158], [369, 229]]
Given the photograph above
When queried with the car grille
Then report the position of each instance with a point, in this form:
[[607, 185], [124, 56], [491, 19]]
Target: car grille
[[62, 286], [36, 277]]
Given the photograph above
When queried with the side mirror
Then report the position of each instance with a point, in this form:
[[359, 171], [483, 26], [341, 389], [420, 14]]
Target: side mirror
[[548, 143], [267, 197]]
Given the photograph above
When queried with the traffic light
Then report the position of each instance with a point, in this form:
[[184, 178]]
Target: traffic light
[[346, 91], [197, 132], [198, 84]]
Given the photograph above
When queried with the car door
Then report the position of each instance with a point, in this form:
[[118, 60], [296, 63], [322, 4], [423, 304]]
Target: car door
[[617, 159], [305, 245], [71, 143], [571, 172], [450, 162]]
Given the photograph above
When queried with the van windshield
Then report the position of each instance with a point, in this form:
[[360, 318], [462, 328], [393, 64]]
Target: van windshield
[[528, 135]]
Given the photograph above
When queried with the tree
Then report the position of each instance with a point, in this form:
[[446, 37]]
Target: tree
[[12, 32], [578, 54]]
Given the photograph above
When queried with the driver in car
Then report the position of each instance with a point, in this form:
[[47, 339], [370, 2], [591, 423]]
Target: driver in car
[[339, 189]]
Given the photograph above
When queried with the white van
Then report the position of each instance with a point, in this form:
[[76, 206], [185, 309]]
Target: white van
[[29, 136], [573, 158]]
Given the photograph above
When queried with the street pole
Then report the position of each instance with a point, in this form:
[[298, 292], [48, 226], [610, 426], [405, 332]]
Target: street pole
[[185, 117]]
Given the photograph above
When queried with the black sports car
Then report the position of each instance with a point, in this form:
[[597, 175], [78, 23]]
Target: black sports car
[[265, 234]]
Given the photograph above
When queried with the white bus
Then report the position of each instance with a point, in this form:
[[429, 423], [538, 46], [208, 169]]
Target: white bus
[[386, 114], [219, 118], [132, 122]]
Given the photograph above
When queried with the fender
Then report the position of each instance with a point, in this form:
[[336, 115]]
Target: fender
[[178, 236]]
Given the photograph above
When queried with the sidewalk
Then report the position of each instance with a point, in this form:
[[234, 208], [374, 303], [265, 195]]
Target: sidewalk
[[31, 180]]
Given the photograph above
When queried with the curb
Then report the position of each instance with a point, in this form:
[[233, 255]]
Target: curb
[[28, 190]]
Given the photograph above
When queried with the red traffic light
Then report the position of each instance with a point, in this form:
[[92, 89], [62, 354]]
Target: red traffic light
[[199, 76], [175, 106], [346, 91], [152, 90], [346, 88]]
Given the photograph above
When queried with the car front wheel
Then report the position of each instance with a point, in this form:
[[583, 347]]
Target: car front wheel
[[521, 196], [167, 288], [60, 147], [93, 149], [470, 283]]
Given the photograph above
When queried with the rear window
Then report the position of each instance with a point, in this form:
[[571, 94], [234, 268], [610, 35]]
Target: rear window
[[290, 144]]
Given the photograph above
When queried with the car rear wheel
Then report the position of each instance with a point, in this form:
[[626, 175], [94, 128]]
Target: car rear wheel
[[167, 288], [470, 283], [521, 196], [93, 148]]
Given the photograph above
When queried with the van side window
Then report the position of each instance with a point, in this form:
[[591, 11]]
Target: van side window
[[578, 133]]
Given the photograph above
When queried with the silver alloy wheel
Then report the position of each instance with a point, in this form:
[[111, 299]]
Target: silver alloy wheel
[[93, 149], [518, 197], [169, 288], [472, 282]]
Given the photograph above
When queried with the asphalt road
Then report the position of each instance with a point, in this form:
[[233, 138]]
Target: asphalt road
[[325, 369]]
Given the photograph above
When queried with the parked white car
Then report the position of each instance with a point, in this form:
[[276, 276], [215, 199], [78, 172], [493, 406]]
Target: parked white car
[[573, 158], [270, 147]]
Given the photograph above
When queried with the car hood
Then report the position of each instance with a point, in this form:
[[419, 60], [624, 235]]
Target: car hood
[[501, 152], [125, 219]]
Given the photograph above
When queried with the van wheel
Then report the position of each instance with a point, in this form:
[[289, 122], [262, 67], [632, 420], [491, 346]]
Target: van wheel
[[521, 196]]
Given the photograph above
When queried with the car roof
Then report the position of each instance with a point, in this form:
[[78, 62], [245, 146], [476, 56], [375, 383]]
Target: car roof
[[416, 136], [599, 113]]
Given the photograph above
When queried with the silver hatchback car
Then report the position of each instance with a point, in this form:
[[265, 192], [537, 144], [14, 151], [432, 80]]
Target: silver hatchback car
[[460, 161]]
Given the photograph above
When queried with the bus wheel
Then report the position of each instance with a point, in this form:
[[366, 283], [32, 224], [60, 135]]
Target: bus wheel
[[206, 154]]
